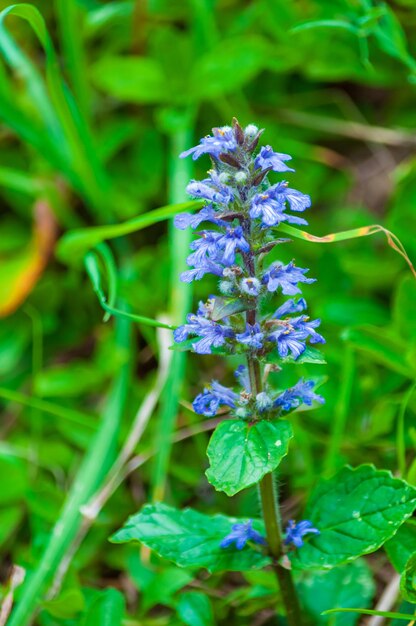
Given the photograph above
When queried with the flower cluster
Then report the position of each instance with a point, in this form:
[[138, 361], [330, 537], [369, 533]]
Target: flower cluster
[[237, 227], [246, 404]]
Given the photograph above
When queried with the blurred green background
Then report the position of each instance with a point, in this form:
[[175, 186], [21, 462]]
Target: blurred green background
[[97, 99]]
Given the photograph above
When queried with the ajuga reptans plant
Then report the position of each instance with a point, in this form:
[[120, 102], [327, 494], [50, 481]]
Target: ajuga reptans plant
[[353, 513]]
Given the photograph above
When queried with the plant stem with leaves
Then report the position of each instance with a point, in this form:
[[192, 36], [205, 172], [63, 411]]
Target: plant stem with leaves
[[349, 515], [267, 489]]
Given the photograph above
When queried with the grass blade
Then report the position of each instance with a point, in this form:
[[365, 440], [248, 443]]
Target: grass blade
[[400, 431], [24, 67], [181, 295], [92, 470], [112, 278], [325, 24], [386, 614], [93, 270], [17, 180], [393, 241], [71, 415], [70, 27], [73, 246], [59, 111], [341, 411]]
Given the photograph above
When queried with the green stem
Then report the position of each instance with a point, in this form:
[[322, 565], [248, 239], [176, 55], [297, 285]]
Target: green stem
[[272, 522], [271, 517]]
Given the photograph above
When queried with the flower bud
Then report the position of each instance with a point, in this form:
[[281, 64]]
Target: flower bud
[[240, 178], [241, 413], [251, 130], [226, 287], [224, 177], [238, 131], [251, 286], [263, 402]]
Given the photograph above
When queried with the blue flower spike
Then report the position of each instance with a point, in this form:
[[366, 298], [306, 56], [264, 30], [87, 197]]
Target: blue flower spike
[[296, 531], [241, 534], [239, 218]]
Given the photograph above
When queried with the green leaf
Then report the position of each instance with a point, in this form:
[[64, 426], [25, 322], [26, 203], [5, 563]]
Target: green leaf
[[310, 355], [356, 511], [402, 546], [241, 453], [67, 605], [106, 610], [194, 609], [131, 78], [346, 586], [223, 307], [163, 586], [408, 579], [190, 539], [391, 37], [228, 66], [186, 346]]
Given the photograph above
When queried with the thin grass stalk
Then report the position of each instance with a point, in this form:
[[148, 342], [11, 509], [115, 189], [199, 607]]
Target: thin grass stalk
[[341, 412], [36, 422], [70, 29], [44, 406], [180, 301], [400, 431]]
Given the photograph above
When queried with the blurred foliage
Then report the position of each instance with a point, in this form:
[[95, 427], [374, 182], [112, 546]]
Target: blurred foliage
[[95, 98]]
